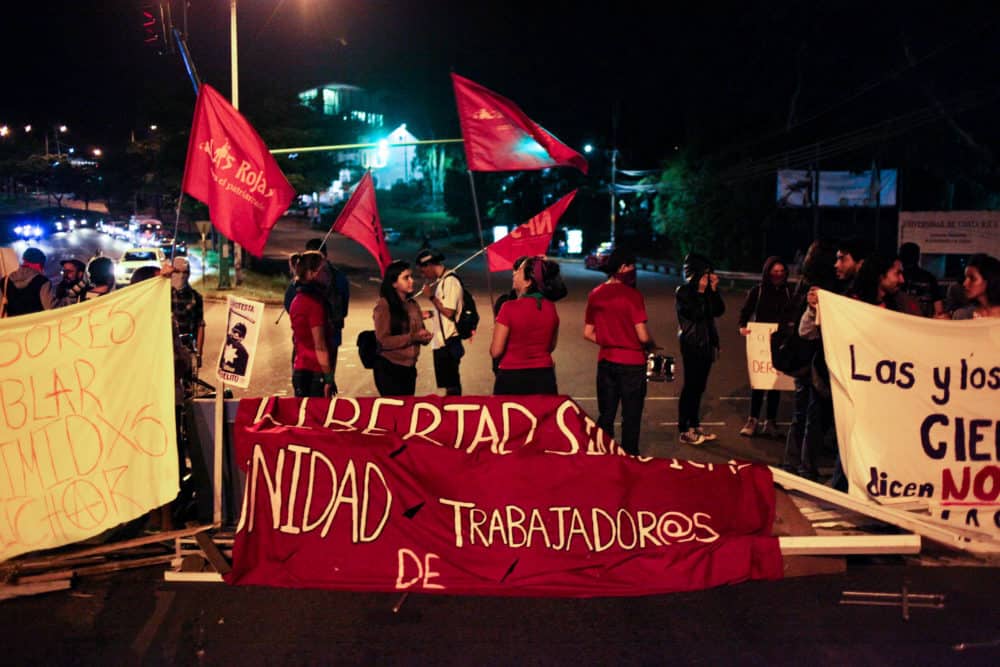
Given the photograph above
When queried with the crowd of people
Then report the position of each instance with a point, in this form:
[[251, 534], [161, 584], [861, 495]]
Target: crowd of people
[[527, 326]]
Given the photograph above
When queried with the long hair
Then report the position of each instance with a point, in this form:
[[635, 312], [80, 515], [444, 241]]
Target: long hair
[[544, 277], [310, 260], [399, 319], [989, 268], [817, 265], [865, 287]]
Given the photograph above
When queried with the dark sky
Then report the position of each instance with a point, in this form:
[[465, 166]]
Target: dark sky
[[687, 74]]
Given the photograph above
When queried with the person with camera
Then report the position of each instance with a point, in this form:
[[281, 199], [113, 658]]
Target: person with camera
[[698, 303], [73, 285]]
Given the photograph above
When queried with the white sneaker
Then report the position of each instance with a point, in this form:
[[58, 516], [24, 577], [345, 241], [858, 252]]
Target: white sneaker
[[691, 437], [705, 435], [750, 428]]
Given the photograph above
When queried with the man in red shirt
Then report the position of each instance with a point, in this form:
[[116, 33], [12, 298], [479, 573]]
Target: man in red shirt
[[616, 321]]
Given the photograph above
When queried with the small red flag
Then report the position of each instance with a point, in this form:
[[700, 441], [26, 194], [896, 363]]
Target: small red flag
[[531, 238], [499, 137], [229, 169], [359, 221]]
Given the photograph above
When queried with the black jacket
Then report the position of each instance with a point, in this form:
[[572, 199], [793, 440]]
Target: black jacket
[[765, 301], [696, 313]]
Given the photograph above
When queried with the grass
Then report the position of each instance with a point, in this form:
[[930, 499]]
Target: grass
[[269, 288]]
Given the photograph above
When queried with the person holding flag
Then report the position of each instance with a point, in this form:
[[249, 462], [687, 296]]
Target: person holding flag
[[444, 289]]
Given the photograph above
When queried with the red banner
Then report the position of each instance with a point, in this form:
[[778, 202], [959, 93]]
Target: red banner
[[360, 221], [334, 500], [229, 168], [500, 137], [531, 238]]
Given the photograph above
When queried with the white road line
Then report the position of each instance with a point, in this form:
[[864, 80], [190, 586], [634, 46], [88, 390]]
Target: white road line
[[703, 423]]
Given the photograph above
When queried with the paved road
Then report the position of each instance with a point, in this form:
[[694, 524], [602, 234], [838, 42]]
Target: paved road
[[726, 400]]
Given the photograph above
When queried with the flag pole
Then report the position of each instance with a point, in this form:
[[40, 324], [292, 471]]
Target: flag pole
[[482, 240]]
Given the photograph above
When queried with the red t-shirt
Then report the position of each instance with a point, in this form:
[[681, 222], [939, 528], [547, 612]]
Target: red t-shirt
[[306, 312], [614, 309], [531, 333]]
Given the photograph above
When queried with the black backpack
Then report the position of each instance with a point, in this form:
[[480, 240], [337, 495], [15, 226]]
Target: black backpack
[[368, 348], [467, 319], [790, 353]]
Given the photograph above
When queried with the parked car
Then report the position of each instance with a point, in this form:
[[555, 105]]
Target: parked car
[[133, 258], [598, 258]]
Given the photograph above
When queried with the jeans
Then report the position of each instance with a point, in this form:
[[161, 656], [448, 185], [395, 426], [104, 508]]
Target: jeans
[[307, 383], [797, 431], [697, 364], [819, 420], [625, 384]]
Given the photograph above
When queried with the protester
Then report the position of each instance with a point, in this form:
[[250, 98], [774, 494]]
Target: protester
[[500, 301], [446, 297], [101, 274], [187, 307], [312, 374], [399, 329], [982, 288], [919, 284], [765, 302], [336, 295], [878, 282], [526, 331], [801, 452], [27, 290], [615, 320], [71, 288], [698, 303]]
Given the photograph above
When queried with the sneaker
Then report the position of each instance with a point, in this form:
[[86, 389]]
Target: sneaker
[[750, 428], [705, 435], [768, 429], [691, 437]]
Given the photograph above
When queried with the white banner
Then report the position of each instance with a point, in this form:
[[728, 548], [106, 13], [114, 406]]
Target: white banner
[[87, 430], [916, 401], [951, 232], [762, 374], [242, 329]]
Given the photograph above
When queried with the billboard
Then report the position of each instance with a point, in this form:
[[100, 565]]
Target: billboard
[[795, 188], [951, 232]]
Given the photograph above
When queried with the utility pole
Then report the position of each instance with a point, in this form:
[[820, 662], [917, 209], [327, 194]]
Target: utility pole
[[614, 168]]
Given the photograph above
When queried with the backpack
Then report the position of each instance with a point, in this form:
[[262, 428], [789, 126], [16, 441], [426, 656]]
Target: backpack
[[467, 319], [790, 353], [367, 348]]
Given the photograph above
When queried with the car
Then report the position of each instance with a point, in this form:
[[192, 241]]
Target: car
[[170, 249], [116, 229], [134, 258], [391, 235], [86, 220], [147, 231], [598, 259]]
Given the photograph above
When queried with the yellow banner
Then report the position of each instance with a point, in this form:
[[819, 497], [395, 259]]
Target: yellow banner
[[87, 429]]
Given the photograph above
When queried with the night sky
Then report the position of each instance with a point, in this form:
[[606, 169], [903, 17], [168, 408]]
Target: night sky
[[749, 82]]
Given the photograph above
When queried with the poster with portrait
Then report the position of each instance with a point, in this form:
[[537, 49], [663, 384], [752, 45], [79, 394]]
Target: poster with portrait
[[243, 323]]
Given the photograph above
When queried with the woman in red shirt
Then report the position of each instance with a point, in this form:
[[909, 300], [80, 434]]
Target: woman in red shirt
[[526, 330], [311, 371], [399, 329]]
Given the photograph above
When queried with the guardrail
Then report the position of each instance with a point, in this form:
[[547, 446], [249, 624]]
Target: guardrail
[[674, 269]]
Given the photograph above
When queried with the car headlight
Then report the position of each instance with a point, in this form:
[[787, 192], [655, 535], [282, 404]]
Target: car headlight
[[37, 230], [19, 230]]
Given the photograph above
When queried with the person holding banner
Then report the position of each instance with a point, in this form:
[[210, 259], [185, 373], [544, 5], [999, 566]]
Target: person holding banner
[[312, 374], [765, 302], [698, 303], [526, 330], [399, 329], [982, 288]]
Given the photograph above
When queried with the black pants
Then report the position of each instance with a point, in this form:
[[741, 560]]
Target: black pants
[[525, 381], [446, 372], [697, 365], [757, 401], [625, 384], [307, 383], [394, 380]]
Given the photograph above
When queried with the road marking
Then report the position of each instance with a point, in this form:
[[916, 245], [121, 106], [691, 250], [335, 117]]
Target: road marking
[[703, 423]]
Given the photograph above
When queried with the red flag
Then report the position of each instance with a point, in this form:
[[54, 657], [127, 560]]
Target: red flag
[[531, 238], [499, 137], [359, 221], [229, 169]]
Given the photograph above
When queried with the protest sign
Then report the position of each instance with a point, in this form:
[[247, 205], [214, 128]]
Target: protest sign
[[86, 441], [238, 352], [915, 405], [762, 374]]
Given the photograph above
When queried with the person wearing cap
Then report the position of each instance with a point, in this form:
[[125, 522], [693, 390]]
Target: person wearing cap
[[615, 320], [698, 304], [27, 289], [187, 306], [446, 297], [73, 285]]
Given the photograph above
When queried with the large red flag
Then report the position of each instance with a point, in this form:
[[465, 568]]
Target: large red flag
[[499, 137], [359, 220], [229, 169], [531, 238]]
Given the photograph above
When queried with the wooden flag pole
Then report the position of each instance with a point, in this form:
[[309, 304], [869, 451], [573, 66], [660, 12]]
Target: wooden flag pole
[[482, 240], [220, 421]]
